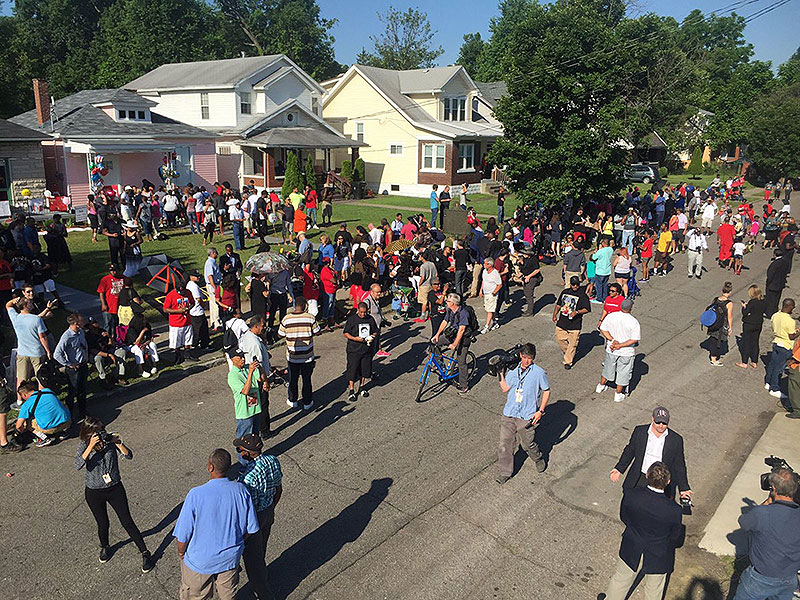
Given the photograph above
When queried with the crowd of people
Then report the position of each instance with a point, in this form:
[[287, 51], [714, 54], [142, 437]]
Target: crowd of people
[[602, 249]]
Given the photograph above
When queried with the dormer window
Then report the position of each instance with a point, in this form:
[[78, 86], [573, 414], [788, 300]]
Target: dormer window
[[132, 115], [455, 109], [244, 103]]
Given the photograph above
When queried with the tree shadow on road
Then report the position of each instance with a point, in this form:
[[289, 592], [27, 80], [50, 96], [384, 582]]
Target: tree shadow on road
[[311, 552]]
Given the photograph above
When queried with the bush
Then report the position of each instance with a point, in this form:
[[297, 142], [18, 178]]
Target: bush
[[311, 175], [292, 178], [347, 171], [695, 168], [359, 170], [664, 172]]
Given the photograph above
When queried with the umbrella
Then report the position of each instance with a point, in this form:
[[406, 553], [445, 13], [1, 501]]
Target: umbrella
[[159, 259], [267, 262], [398, 245], [163, 278]]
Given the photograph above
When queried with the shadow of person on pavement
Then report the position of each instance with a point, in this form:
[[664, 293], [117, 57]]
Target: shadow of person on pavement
[[311, 552], [702, 588], [587, 342], [163, 524], [329, 415], [558, 423], [640, 368]]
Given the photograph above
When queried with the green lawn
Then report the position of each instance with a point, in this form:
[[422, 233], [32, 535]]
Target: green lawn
[[483, 203]]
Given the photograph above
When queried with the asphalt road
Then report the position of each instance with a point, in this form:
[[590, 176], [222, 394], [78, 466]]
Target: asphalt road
[[387, 498]]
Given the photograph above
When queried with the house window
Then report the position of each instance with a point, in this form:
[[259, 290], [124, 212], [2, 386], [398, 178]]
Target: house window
[[244, 103], [5, 181], [395, 187], [455, 109], [132, 115], [396, 149], [140, 115], [433, 157], [204, 114], [224, 150], [466, 157], [475, 114], [360, 132], [253, 161], [121, 114], [315, 105]]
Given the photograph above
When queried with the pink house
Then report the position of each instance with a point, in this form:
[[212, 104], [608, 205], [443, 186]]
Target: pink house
[[134, 142]]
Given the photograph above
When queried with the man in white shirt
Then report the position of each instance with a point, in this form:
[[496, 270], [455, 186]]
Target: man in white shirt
[[397, 225], [491, 284], [696, 245], [623, 332], [709, 210], [251, 211], [375, 235], [251, 343], [197, 313]]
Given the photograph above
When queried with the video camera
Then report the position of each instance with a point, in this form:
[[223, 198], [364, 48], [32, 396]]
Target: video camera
[[507, 359], [775, 463]]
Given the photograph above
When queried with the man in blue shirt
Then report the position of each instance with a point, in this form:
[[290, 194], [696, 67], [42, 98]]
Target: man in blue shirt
[[213, 277], [602, 270], [434, 204], [72, 353], [774, 529], [214, 522], [42, 413], [528, 393], [31, 332]]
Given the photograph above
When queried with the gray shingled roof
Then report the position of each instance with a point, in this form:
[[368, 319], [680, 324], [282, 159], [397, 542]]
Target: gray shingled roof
[[11, 132], [76, 117], [311, 136], [492, 91], [204, 73]]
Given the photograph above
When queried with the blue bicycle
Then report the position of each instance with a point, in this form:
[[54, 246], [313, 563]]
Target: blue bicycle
[[444, 365]]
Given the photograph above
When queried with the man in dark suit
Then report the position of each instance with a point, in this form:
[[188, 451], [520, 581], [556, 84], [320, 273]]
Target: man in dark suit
[[653, 530], [651, 443], [777, 272]]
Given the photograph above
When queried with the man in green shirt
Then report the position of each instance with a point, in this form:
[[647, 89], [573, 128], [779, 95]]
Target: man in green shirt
[[246, 396], [296, 198]]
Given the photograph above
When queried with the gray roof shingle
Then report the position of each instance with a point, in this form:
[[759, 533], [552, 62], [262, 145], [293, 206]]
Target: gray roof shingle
[[492, 91], [11, 132], [204, 73]]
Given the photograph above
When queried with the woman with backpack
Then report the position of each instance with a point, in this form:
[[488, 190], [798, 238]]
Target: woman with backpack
[[721, 329]]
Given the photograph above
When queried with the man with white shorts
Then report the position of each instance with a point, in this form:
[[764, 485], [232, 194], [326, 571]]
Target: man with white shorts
[[622, 331], [709, 210], [177, 305], [491, 284]]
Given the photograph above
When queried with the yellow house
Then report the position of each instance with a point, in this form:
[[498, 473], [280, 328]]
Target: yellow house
[[422, 126]]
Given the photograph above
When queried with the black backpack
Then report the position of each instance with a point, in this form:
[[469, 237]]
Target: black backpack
[[473, 325], [229, 340], [721, 316]]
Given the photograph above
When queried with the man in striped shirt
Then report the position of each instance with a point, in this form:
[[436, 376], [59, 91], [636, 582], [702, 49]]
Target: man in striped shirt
[[299, 328]]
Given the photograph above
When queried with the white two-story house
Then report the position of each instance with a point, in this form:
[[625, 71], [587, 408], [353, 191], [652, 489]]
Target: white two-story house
[[260, 107], [422, 126]]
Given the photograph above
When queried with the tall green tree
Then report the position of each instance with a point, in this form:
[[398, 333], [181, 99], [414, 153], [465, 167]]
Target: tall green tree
[[17, 94], [292, 178], [695, 168], [292, 27], [789, 72], [772, 134], [470, 53], [124, 49], [311, 175], [492, 62], [406, 43]]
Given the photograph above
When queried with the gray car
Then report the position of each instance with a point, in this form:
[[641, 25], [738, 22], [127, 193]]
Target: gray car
[[642, 173]]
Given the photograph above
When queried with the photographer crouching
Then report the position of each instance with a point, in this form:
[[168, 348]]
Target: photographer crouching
[[456, 330], [528, 392]]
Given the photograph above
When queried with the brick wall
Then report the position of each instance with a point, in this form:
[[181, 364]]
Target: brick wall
[[27, 167]]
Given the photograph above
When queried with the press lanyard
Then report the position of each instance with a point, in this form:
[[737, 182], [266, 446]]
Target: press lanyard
[[521, 378]]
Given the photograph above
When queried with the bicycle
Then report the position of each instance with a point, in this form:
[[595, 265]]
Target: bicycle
[[446, 367]]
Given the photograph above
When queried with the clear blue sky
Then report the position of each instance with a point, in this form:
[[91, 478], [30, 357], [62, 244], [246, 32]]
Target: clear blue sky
[[774, 36]]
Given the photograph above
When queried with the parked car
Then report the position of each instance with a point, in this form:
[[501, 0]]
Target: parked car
[[642, 173]]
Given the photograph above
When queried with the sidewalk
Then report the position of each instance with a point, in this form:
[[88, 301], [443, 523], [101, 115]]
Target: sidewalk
[[722, 535]]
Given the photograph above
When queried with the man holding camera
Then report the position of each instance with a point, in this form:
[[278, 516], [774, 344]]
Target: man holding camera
[[653, 530], [651, 443], [455, 326], [245, 385], [774, 529], [528, 392]]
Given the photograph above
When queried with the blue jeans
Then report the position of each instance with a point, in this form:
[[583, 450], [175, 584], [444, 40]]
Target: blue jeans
[[775, 366], [659, 217], [245, 426], [238, 235], [501, 214], [326, 304], [434, 212], [601, 286], [312, 214], [191, 216], [627, 240], [755, 586]]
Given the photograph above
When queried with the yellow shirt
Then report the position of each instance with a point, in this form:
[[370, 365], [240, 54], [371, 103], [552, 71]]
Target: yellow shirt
[[782, 325], [296, 199], [663, 241]]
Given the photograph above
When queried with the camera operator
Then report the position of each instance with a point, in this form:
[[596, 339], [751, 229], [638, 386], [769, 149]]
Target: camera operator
[[774, 529], [523, 410], [455, 327], [97, 451]]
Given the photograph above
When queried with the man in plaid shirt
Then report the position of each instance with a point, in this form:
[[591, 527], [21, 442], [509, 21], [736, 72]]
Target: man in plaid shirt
[[263, 479]]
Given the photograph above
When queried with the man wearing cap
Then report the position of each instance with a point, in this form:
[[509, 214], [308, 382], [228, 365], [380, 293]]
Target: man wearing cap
[[623, 332], [197, 313], [244, 382], [263, 479], [177, 304], [108, 289], [572, 304], [648, 444]]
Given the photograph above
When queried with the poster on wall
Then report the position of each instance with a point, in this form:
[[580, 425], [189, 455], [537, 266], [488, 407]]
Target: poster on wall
[[5, 209], [81, 213]]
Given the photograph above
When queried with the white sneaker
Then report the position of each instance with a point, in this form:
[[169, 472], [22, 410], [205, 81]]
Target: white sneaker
[[776, 394], [145, 374], [619, 396], [485, 329], [495, 326], [766, 386], [600, 388], [292, 404], [153, 371]]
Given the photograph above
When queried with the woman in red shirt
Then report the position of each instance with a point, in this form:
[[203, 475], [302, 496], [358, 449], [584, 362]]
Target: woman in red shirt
[[613, 302], [328, 293], [311, 205], [311, 289], [647, 253], [226, 296]]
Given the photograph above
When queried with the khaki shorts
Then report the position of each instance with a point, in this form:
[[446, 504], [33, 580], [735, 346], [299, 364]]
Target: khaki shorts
[[659, 256], [707, 223], [489, 303], [57, 429], [28, 367], [422, 294]]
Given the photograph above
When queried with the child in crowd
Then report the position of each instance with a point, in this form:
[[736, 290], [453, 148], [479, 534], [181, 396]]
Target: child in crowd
[[738, 255]]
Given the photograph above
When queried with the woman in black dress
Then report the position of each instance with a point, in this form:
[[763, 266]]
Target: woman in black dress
[[752, 320], [56, 238]]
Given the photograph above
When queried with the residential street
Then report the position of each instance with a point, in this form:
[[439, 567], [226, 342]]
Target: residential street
[[387, 498]]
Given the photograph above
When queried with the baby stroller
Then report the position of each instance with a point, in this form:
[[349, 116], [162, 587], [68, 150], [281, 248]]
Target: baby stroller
[[403, 301], [633, 287]]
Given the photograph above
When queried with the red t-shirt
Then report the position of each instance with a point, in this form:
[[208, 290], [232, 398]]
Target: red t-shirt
[[310, 286], [612, 305], [328, 278], [647, 248], [110, 287], [408, 231], [311, 199], [5, 282], [175, 300]]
